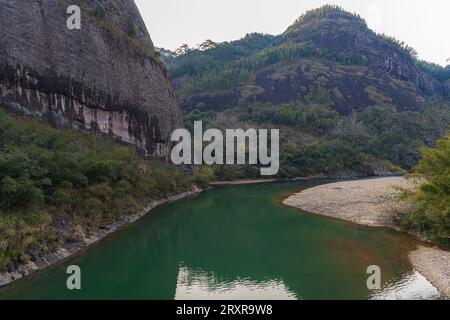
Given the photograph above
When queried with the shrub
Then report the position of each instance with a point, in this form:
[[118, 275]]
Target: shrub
[[204, 176], [431, 212]]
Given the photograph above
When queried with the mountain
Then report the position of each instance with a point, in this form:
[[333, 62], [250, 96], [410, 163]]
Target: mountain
[[347, 101], [327, 51], [105, 77]]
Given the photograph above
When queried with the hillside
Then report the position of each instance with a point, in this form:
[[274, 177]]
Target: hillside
[[348, 101], [105, 77], [326, 50]]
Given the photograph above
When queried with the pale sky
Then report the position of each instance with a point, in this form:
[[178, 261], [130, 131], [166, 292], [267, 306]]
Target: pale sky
[[424, 25]]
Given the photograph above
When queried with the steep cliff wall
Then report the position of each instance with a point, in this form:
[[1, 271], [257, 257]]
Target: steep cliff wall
[[105, 77]]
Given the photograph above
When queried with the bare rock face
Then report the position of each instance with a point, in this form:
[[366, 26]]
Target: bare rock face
[[105, 77]]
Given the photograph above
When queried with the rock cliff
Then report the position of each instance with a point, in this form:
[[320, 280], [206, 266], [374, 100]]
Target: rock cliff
[[106, 76]]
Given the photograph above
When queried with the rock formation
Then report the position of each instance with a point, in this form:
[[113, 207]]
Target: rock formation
[[105, 77]]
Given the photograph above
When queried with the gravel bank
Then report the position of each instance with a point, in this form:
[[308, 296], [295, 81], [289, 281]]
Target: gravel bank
[[434, 264], [367, 202]]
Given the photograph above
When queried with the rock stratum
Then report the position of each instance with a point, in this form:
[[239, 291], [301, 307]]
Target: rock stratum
[[105, 77]]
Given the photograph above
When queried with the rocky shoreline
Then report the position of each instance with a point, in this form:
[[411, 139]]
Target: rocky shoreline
[[370, 202], [70, 250]]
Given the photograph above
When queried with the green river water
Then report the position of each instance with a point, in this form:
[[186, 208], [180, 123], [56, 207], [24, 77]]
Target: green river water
[[236, 243]]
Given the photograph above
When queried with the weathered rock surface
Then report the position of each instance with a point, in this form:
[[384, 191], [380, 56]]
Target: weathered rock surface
[[105, 77]]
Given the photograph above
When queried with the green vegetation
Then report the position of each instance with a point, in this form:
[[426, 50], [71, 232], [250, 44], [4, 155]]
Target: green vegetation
[[226, 66], [440, 73], [57, 185], [221, 75], [100, 12], [373, 140], [319, 13], [197, 62], [400, 44], [430, 215], [204, 176], [132, 29], [379, 131]]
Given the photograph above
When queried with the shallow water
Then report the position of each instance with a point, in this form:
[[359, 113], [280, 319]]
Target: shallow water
[[236, 243]]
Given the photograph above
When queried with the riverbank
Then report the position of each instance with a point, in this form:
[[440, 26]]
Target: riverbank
[[370, 202], [70, 250], [240, 182]]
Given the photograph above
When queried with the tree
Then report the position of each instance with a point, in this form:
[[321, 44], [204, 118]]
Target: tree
[[183, 50], [207, 44], [431, 212]]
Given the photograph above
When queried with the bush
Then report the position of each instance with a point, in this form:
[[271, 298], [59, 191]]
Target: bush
[[431, 213], [204, 176], [132, 29]]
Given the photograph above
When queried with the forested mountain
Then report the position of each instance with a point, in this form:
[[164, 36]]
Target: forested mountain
[[348, 100]]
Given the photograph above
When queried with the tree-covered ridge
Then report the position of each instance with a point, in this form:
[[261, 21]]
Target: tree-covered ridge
[[320, 13], [197, 62], [399, 44], [430, 215], [226, 75], [57, 185], [440, 73]]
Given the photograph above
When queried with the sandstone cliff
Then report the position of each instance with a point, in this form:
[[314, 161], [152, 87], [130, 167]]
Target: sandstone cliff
[[105, 77]]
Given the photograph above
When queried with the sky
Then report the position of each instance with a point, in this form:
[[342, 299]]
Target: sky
[[424, 25]]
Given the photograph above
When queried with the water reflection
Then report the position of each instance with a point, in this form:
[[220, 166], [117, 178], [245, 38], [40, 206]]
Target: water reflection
[[412, 286], [197, 284]]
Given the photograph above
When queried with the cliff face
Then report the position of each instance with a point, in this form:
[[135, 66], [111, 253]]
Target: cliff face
[[105, 77]]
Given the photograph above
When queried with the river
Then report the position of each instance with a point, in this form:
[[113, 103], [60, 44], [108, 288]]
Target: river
[[236, 242]]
